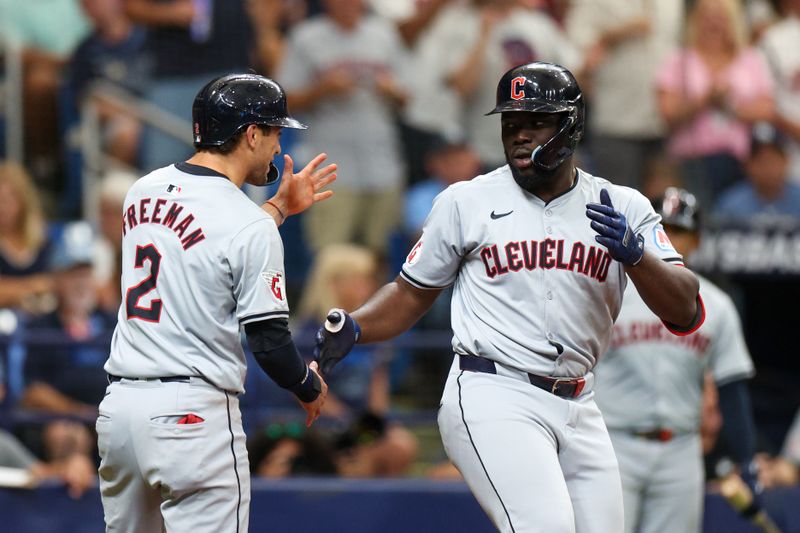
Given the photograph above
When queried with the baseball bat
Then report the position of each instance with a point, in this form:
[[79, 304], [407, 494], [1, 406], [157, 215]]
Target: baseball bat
[[740, 497]]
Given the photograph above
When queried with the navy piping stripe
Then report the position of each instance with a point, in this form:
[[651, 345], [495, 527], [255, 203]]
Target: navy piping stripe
[[469, 434], [264, 315], [235, 465], [198, 170], [673, 259], [418, 283]]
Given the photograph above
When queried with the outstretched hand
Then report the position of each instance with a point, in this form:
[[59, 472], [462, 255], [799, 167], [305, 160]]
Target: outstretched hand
[[299, 191], [614, 232], [314, 408], [335, 339]]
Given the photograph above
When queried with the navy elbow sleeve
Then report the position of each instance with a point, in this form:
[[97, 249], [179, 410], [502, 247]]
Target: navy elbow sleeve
[[275, 352], [738, 427]]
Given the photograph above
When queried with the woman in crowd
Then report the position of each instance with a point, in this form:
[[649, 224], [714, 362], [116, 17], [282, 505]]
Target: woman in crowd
[[710, 93], [24, 245]]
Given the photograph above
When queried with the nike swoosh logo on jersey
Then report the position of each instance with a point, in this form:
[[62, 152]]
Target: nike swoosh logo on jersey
[[495, 216]]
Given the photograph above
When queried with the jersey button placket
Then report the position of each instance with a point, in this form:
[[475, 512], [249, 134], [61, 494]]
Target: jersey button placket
[[548, 296]]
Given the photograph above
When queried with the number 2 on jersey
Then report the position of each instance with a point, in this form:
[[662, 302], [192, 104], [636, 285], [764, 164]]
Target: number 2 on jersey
[[135, 293]]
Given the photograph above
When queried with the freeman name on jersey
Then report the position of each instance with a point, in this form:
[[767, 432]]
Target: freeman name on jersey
[[547, 254], [159, 213]]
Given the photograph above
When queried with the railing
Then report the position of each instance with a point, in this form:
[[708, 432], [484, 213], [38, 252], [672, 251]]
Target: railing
[[95, 160], [11, 96], [13, 349]]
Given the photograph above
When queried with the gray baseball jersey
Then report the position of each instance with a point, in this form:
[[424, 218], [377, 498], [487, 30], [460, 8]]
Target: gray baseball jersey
[[533, 289], [652, 379], [199, 260], [534, 292]]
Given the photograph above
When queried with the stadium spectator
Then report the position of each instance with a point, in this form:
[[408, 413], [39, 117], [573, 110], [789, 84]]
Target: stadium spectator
[[77, 471], [783, 470], [342, 70], [271, 21], [412, 17], [344, 276], [447, 161], [479, 41], [768, 191], [47, 32], [660, 172], [709, 94], [188, 42], [108, 249], [761, 15], [24, 245], [112, 53], [781, 46], [624, 43], [432, 108], [64, 377], [283, 449]]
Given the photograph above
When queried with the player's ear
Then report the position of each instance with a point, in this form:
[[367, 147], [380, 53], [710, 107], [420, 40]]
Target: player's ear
[[252, 135]]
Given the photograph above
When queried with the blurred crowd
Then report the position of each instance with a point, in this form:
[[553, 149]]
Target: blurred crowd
[[704, 94]]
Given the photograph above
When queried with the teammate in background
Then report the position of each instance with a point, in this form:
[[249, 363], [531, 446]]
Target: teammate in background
[[539, 255], [650, 390], [199, 262]]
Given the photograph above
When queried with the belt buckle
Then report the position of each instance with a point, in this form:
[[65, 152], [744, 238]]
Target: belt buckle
[[579, 384], [665, 435]]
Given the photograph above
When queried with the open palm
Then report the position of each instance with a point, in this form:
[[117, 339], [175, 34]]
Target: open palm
[[299, 191]]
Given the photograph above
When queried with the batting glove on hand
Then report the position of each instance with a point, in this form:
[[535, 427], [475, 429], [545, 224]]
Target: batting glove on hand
[[614, 232], [748, 471], [335, 339]]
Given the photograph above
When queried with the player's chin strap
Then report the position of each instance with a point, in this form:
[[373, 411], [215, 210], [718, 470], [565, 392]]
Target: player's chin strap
[[272, 174], [550, 155]]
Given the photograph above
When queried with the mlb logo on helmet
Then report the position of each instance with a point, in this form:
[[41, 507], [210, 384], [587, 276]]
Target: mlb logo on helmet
[[197, 136]]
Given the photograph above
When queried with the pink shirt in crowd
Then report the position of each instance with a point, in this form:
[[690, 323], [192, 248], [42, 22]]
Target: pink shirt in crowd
[[713, 131]]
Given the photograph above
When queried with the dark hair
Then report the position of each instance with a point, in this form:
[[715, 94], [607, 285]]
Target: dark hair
[[230, 145]]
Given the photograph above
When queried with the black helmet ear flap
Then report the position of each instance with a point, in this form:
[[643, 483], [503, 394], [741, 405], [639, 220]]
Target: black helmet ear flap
[[272, 174]]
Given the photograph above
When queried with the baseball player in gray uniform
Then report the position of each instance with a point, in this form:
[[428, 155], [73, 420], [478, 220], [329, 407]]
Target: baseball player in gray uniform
[[650, 387], [200, 262], [539, 253]]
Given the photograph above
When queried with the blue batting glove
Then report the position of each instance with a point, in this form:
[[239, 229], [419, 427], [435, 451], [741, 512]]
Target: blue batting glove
[[335, 339], [614, 232]]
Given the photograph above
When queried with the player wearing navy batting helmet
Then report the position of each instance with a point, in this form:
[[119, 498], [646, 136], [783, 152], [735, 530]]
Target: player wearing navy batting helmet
[[200, 263], [539, 253], [650, 387]]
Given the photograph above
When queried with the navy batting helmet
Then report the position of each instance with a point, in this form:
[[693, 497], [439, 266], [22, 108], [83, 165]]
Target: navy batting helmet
[[230, 103], [678, 208], [545, 88]]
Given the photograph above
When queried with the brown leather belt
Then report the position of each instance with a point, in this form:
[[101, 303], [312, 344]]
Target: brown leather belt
[[659, 434], [563, 387]]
